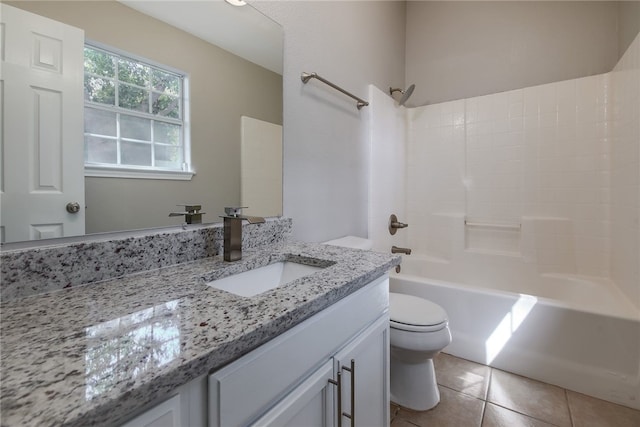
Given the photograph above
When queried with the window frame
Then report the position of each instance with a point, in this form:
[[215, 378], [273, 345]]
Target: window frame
[[133, 171]]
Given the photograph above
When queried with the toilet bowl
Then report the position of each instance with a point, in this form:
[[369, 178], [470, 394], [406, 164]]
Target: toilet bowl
[[419, 329]]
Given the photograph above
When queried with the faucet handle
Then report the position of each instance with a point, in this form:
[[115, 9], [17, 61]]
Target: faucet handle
[[191, 208], [191, 214], [234, 210]]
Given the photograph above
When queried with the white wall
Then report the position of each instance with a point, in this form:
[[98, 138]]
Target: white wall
[[388, 142], [352, 44], [461, 49], [628, 24], [625, 173]]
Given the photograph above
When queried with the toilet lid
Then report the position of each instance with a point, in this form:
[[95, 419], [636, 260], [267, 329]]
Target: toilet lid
[[415, 311]]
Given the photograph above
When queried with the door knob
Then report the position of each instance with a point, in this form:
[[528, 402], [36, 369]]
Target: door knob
[[73, 207]]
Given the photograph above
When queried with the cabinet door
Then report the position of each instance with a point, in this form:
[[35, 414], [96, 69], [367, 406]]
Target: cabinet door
[[310, 404], [369, 373], [247, 388], [166, 414]]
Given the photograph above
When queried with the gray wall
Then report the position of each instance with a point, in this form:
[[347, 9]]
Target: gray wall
[[463, 49], [326, 157], [223, 88], [628, 24]]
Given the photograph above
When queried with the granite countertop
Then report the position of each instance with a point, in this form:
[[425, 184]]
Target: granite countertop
[[92, 354]]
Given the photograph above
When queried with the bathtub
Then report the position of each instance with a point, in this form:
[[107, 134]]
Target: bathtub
[[578, 333]]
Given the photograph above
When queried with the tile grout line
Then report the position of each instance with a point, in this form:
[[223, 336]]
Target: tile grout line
[[524, 415], [487, 401], [566, 396], [461, 392], [486, 396], [484, 411]]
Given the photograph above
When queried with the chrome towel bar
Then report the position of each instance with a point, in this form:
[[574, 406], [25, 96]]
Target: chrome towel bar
[[308, 76]]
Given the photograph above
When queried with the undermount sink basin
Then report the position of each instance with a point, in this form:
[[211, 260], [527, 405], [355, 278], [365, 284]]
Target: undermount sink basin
[[259, 280]]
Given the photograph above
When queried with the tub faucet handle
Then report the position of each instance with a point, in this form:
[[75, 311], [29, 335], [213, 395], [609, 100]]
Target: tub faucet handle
[[394, 224]]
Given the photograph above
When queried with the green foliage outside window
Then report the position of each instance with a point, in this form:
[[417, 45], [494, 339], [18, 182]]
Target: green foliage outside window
[[147, 102]]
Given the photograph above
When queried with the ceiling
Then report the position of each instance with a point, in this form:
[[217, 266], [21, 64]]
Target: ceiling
[[243, 30]]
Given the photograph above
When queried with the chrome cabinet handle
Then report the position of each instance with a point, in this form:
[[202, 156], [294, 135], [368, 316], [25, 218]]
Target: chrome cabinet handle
[[352, 371], [338, 384]]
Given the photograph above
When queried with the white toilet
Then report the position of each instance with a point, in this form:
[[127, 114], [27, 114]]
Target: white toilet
[[419, 329]]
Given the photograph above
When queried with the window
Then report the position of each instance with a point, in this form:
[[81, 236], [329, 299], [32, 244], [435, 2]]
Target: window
[[134, 117]]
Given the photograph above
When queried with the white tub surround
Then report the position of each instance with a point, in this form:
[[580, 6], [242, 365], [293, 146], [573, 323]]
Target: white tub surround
[[625, 173], [547, 174], [91, 355]]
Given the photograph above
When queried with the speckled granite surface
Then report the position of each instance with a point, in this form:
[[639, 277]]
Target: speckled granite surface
[[33, 271], [90, 355]]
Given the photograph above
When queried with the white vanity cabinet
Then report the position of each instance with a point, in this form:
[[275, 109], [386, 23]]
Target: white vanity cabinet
[[166, 414], [293, 379], [363, 363], [310, 404], [315, 402], [188, 407], [296, 378]]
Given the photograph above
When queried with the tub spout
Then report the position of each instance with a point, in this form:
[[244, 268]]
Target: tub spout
[[397, 250]]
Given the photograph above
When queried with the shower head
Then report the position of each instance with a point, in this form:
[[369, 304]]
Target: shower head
[[405, 93]]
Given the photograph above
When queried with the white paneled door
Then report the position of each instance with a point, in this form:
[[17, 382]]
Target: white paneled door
[[42, 164]]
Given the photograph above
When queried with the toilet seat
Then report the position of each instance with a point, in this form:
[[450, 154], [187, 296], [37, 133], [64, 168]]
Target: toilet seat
[[415, 314]]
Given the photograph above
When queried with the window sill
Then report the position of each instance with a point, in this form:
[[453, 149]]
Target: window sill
[[135, 173]]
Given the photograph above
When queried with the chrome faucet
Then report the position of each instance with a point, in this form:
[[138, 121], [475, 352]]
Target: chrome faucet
[[192, 214], [233, 231], [397, 250]]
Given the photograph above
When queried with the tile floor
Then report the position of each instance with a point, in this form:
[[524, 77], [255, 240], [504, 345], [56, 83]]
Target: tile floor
[[477, 395]]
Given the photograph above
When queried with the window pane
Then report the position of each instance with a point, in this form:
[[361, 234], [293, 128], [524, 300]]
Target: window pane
[[135, 128], [99, 90], [99, 122], [135, 153], [133, 72], [142, 101], [100, 150], [98, 62], [165, 105], [166, 133], [133, 98], [168, 156], [164, 82]]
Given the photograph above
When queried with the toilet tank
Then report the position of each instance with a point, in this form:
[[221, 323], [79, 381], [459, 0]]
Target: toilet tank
[[351, 242]]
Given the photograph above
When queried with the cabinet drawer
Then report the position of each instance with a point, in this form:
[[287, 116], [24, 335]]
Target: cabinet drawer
[[243, 390]]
